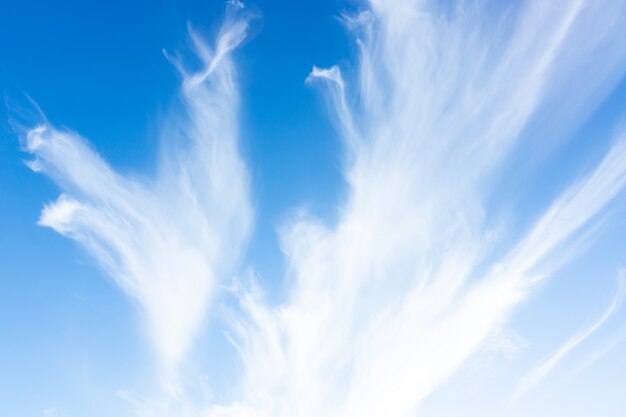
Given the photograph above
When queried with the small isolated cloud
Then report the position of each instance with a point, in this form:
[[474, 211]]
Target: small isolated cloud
[[49, 412]]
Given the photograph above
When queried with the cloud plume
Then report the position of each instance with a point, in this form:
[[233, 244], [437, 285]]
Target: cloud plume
[[166, 241], [387, 303]]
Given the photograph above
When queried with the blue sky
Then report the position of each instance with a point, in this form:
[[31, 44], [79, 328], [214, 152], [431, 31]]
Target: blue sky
[[349, 207]]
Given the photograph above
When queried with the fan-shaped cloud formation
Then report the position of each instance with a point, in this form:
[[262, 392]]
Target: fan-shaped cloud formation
[[165, 241], [387, 303]]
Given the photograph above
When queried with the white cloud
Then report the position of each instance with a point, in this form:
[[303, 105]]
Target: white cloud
[[388, 303], [165, 241]]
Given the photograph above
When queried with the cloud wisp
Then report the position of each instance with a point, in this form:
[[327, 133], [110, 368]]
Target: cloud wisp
[[541, 371], [166, 241]]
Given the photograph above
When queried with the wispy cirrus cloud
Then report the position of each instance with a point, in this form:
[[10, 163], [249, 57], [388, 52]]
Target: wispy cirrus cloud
[[600, 352], [165, 241], [542, 370], [388, 302]]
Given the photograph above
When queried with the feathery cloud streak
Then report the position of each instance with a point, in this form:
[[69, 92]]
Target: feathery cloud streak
[[541, 371], [166, 241], [390, 301]]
